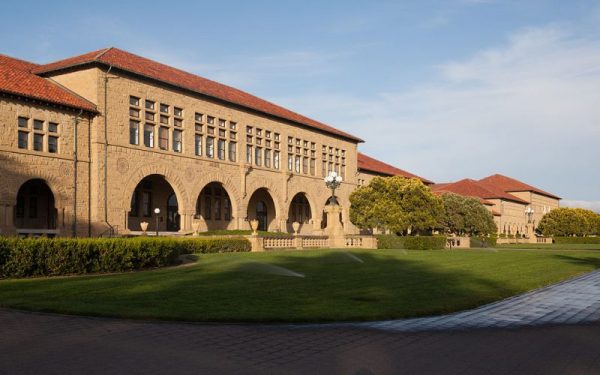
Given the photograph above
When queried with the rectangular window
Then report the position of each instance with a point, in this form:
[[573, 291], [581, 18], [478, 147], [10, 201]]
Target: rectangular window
[[23, 122], [268, 158], [249, 154], [221, 133], [198, 128], [178, 122], [290, 162], [52, 127], [149, 116], [23, 140], [276, 136], [198, 145], [210, 147], [178, 112], [164, 119], [305, 165], [149, 104], [324, 169], [38, 142], [222, 123], [248, 129], [210, 119], [134, 132], [38, 124], [134, 112], [258, 156], [146, 203], [312, 167], [297, 164], [163, 138], [133, 100], [232, 135], [52, 144], [210, 130], [218, 209], [276, 159], [135, 204], [177, 140], [198, 116], [232, 125], [221, 149], [232, 151], [164, 108], [343, 171], [207, 207], [148, 135]]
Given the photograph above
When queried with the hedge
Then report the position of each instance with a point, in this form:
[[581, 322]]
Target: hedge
[[391, 241], [577, 240], [51, 257], [478, 241]]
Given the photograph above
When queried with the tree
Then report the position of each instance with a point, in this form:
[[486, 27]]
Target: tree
[[466, 216], [395, 203], [570, 222]]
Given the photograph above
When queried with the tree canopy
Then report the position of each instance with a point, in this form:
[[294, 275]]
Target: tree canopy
[[466, 216], [397, 204], [570, 222]]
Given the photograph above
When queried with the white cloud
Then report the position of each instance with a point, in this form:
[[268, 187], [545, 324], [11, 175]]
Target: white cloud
[[588, 205], [528, 109]]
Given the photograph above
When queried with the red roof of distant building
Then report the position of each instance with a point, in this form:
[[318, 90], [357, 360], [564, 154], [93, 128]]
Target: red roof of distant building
[[16, 79], [508, 184], [370, 164], [147, 68], [472, 188]]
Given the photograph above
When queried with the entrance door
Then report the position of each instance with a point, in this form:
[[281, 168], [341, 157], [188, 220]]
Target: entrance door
[[172, 215], [261, 215]]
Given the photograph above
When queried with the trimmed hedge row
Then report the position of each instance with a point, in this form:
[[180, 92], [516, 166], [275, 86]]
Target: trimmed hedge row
[[391, 241], [577, 240], [478, 241], [51, 257]]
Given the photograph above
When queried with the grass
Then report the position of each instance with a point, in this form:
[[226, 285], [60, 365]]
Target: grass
[[555, 246], [246, 287]]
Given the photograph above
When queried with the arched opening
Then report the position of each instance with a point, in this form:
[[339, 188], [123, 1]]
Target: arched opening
[[35, 208], [299, 212], [151, 193], [214, 207], [262, 208]]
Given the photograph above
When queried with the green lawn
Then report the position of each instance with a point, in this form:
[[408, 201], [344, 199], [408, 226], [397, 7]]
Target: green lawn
[[335, 286], [554, 246]]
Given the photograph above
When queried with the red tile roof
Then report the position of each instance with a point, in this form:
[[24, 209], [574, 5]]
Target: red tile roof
[[368, 163], [16, 79], [508, 184], [476, 189], [147, 68]]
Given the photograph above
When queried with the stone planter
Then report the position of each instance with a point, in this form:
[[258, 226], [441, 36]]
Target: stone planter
[[295, 227], [144, 226], [254, 226]]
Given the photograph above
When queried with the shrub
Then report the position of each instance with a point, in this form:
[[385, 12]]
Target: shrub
[[390, 241], [425, 242], [577, 240], [478, 241], [49, 257]]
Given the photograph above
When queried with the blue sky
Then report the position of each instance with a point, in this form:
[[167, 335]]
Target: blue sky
[[444, 89]]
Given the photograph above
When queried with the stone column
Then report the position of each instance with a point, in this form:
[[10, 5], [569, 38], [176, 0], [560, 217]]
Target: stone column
[[334, 228]]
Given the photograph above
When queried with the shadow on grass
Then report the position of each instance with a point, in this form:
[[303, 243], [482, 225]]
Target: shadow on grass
[[591, 261]]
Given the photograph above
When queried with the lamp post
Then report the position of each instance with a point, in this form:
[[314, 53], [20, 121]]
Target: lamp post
[[157, 211], [333, 181], [529, 212]]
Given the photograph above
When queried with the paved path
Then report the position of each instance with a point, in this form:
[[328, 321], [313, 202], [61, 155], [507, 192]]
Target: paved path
[[34, 343]]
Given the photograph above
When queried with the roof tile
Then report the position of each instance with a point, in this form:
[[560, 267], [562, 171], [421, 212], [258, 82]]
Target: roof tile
[[371, 164]]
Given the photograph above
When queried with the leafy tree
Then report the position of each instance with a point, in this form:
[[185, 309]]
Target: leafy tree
[[395, 203], [466, 216], [570, 222]]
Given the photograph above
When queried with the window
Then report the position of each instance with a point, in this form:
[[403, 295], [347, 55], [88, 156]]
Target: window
[[276, 159], [198, 116], [222, 123], [248, 129], [277, 145], [232, 135], [134, 132], [52, 144], [258, 156], [135, 205], [210, 119], [177, 140], [232, 151], [148, 135], [227, 206], [38, 142], [133, 100], [38, 124], [163, 138], [268, 134], [267, 158], [297, 164], [312, 167], [218, 208], [290, 162], [149, 104], [305, 165], [23, 140], [52, 127], [23, 122], [324, 169], [198, 128], [221, 149], [248, 139], [276, 136], [149, 116], [147, 203], [232, 125], [207, 207], [211, 130], [221, 133], [290, 140], [178, 112], [134, 112], [164, 119], [198, 144], [164, 108], [313, 145], [248, 154], [210, 147], [178, 122], [259, 132]]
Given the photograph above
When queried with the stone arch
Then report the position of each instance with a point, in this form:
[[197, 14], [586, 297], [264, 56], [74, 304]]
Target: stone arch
[[228, 185], [267, 184], [168, 174], [62, 194], [306, 223]]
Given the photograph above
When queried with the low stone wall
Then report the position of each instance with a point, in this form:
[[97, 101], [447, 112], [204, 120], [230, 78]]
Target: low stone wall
[[530, 240], [299, 242], [458, 242]]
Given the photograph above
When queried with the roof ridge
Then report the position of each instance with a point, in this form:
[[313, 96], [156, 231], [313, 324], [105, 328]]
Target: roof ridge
[[98, 56]]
